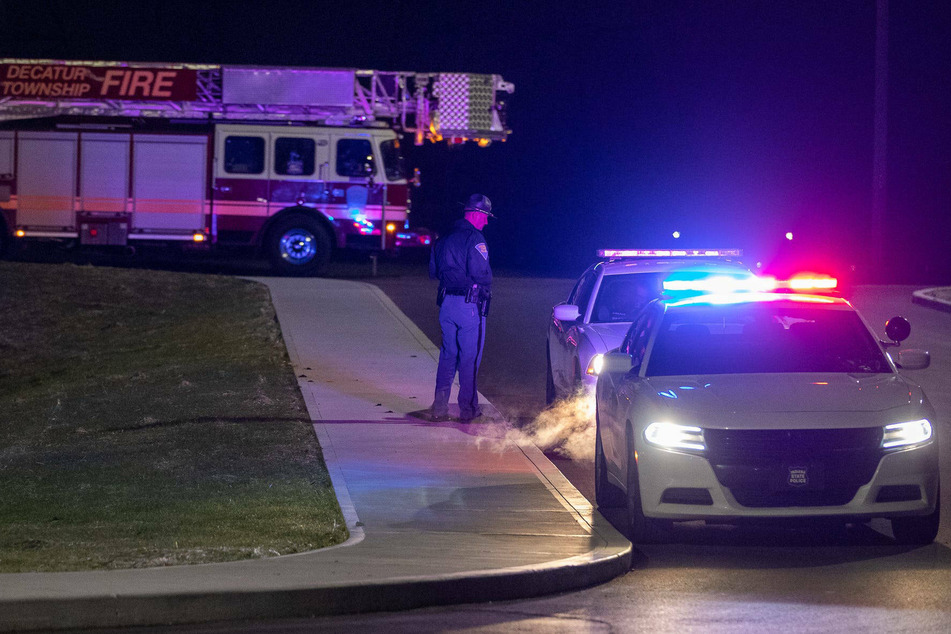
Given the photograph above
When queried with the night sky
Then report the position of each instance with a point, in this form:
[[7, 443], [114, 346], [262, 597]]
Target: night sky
[[732, 122]]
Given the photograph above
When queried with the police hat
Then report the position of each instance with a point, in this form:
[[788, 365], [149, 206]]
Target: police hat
[[480, 203]]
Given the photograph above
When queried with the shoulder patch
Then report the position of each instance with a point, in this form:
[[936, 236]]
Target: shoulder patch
[[483, 250]]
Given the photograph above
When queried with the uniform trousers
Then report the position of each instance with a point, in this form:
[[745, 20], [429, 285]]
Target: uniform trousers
[[463, 336]]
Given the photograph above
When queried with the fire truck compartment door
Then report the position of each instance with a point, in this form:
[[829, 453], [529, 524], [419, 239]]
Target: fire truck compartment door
[[104, 168], [168, 182], [46, 179], [6, 155], [6, 166]]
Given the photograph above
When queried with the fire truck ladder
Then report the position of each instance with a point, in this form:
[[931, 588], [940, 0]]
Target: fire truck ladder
[[432, 106]]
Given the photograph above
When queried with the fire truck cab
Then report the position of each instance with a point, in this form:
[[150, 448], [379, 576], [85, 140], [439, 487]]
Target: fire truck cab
[[294, 162]]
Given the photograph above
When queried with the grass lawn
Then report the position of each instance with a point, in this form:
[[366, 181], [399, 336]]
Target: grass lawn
[[150, 418]]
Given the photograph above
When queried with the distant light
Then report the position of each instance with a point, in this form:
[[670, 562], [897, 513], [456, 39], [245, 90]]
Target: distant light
[[789, 235], [198, 237], [676, 234], [390, 227], [20, 233]]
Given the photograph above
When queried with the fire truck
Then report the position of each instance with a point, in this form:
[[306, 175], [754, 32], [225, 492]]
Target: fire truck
[[294, 162]]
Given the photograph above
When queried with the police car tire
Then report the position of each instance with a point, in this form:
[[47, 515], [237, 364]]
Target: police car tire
[[918, 530], [549, 379], [641, 529], [605, 494], [309, 225]]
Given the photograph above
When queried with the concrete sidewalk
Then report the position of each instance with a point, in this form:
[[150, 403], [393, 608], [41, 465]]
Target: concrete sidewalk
[[438, 513]]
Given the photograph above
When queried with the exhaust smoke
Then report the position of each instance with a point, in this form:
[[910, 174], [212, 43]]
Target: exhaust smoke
[[566, 428]]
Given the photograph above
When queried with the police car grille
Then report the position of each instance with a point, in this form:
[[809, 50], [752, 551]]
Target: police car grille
[[759, 465]]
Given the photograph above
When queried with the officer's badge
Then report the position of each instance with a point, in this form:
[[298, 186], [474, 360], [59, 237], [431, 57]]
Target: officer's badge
[[481, 249]]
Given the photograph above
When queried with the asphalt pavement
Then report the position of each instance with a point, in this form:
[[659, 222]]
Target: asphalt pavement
[[438, 513]]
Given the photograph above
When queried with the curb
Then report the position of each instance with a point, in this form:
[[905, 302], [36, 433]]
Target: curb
[[250, 595], [398, 594], [929, 297]]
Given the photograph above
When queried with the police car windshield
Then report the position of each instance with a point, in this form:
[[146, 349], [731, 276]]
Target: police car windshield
[[763, 337], [621, 297]]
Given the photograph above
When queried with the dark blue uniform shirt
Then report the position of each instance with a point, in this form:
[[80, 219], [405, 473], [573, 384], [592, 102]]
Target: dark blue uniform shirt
[[461, 259]]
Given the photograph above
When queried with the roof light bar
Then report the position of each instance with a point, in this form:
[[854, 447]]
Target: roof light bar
[[810, 283], [721, 284], [667, 253]]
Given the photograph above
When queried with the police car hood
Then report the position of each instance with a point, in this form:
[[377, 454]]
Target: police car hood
[[605, 337], [739, 394]]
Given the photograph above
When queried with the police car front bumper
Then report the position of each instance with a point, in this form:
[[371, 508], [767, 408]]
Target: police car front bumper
[[683, 486]]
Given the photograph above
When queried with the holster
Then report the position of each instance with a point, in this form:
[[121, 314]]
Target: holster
[[485, 298]]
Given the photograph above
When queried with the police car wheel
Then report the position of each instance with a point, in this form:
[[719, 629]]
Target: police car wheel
[[298, 245], [549, 379], [918, 530], [641, 529], [605, 494]]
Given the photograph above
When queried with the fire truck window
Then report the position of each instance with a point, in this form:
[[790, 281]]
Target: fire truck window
[[393, 163], [244, 155], [355, 158], [294, 156]]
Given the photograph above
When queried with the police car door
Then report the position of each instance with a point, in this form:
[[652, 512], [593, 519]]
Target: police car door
[[563, 337], [616, 391]]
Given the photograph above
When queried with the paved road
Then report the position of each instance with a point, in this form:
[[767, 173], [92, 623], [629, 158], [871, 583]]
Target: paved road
[[710, 578]]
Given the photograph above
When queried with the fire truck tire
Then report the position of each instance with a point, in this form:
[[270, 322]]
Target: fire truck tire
[[298, 245]]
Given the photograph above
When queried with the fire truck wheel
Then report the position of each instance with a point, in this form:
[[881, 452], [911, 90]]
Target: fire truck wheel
[[298, 245]]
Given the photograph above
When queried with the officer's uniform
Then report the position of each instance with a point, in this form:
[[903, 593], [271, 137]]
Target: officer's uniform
[[458, 261]]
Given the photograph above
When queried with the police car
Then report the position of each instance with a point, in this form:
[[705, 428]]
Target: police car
[[742, 406], [608, 296]]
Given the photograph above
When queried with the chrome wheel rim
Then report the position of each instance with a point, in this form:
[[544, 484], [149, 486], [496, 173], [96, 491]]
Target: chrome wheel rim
[[298, 246]]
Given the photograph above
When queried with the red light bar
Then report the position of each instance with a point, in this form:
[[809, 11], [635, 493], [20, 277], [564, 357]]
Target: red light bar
[[668, 253], [807, 283]]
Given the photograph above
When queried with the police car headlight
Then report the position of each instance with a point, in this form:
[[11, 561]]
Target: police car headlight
[[595, 365], [908, 434], [674, 436]]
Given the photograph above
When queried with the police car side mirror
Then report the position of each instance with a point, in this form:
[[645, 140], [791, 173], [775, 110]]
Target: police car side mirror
[[567, 312], [897, 330], [616, 363], [913, 359]]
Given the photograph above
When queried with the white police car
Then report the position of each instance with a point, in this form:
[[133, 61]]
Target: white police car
[[608, 296], [764, 405]]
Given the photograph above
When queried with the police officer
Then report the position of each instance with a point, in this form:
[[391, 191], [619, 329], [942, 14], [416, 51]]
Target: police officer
[[460, 261]]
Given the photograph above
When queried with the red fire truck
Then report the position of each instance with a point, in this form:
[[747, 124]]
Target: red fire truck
[[295, 162]]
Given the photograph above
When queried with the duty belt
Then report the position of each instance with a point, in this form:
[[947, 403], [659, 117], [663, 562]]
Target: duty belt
[[456, 291]]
